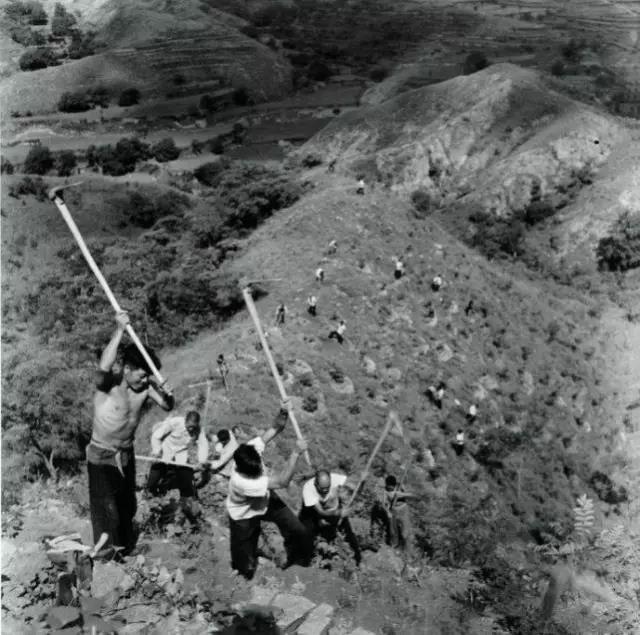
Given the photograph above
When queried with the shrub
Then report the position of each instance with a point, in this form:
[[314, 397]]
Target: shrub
[[378, 73], [498, 237], [28, 185], [474, 62], [38, 161], [422, 202], [620, 251], [209, 173], [216, 145], [65, 162], [240, 96], [538, 211], [557, 68], [318, 71], [98, 96], [62, 22], [81, 45], [129, 97], [26, 36], [29, 12], [571, 50], [74, 102], [143, 210], [165, 150], [38, 58], [311, 160], [6, 167]]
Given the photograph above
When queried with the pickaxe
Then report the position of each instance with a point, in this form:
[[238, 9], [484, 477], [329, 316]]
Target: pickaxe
[[55, 194]]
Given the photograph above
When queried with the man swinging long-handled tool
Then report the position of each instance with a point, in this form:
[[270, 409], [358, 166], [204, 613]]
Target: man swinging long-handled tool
[[118, 401]]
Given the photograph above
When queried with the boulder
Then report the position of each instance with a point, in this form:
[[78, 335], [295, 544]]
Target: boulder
[[527, 383], [369, 366], [345, 387], [393, 374], [444, 352], [294, 608], [318, 621]]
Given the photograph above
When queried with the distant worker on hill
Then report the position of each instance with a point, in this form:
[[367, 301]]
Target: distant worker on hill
[[361, 186], [224, 449], [175, 439], [281, 312], [323, 513], [436, 283], [399, 270], [332, 247], [472, 414], [312, 302], [391, 513], [319, 274], [338, 332], [435, 394], [252, 499], [117, 406], [332, 165], [458, 444], [469, 308], [223, 369]]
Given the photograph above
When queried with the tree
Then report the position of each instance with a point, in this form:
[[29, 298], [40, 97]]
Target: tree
[[74, 102], [165, 150], [129, 97], [240, 96], [130, 150], [81, 45], [620, 250], [6, 167], [65, 162], [62, 21], [474, 62], [318, 71], [36, 59], [39, 160]]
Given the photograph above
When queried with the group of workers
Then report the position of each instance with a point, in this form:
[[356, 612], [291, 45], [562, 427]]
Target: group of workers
[[181, 451]]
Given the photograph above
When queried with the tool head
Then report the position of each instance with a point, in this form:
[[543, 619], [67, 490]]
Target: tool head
[[56, 191]]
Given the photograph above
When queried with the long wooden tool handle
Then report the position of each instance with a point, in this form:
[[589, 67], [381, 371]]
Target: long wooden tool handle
[[154, 459], [60, 204], [246, 294], [392, 419]]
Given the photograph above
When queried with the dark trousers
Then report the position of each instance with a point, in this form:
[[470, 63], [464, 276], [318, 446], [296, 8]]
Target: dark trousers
[[163, 477], [397, 274], [337, 336], [392, 524], [312, 310], [298, 542], [112, 499], [329, 529]]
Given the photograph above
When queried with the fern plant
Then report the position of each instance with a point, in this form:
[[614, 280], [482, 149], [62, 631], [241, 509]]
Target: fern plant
[[584, 518]]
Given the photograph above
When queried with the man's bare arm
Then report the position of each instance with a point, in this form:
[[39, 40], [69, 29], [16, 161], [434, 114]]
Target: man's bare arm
[[278, 425], [108, 357], [162, 396]]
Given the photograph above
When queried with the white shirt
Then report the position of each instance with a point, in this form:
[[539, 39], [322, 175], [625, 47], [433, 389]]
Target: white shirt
[[319, 272], [172, 439], [399, 265], [224, 463], [330, 502], [342, 327], [460, 437], [248, 497], [473, 411], [312, 300], [437, 281], [361, 183]]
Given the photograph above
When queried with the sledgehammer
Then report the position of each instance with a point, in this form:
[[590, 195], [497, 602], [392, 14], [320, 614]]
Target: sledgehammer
[[55, 194]]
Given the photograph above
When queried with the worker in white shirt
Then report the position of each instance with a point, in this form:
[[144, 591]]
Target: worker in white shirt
[[319, 274], [224, 449], [338, 332], [323, 512], [176, 439], [312, 302], [399, 270], [361, 186]]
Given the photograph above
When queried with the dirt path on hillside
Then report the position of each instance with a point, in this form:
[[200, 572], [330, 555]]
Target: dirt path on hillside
[[621, 352]]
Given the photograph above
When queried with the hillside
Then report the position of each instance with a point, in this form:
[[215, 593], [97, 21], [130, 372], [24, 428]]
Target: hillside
[[492, 143], [147, 45]]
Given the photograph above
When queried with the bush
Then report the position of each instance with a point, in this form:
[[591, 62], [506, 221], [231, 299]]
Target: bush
[[318, 71], [129, 97], [240, 96], [538, 211], [165, 150], [311, 160], [496, 237], [378, 73], [422, 202], [38, 58], [474, 62], [26, 36], [29, 12], [98, 96], [74, 102], [62, 22], [620, 251], [6, 167], [119, 160], [81, 45], [27, 186], [209, 173], [557, 68], [38, 161], [65, 162]]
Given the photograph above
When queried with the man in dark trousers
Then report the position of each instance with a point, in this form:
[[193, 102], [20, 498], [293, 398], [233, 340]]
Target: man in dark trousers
[[323, 513], [252, 499], [117, 406]]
